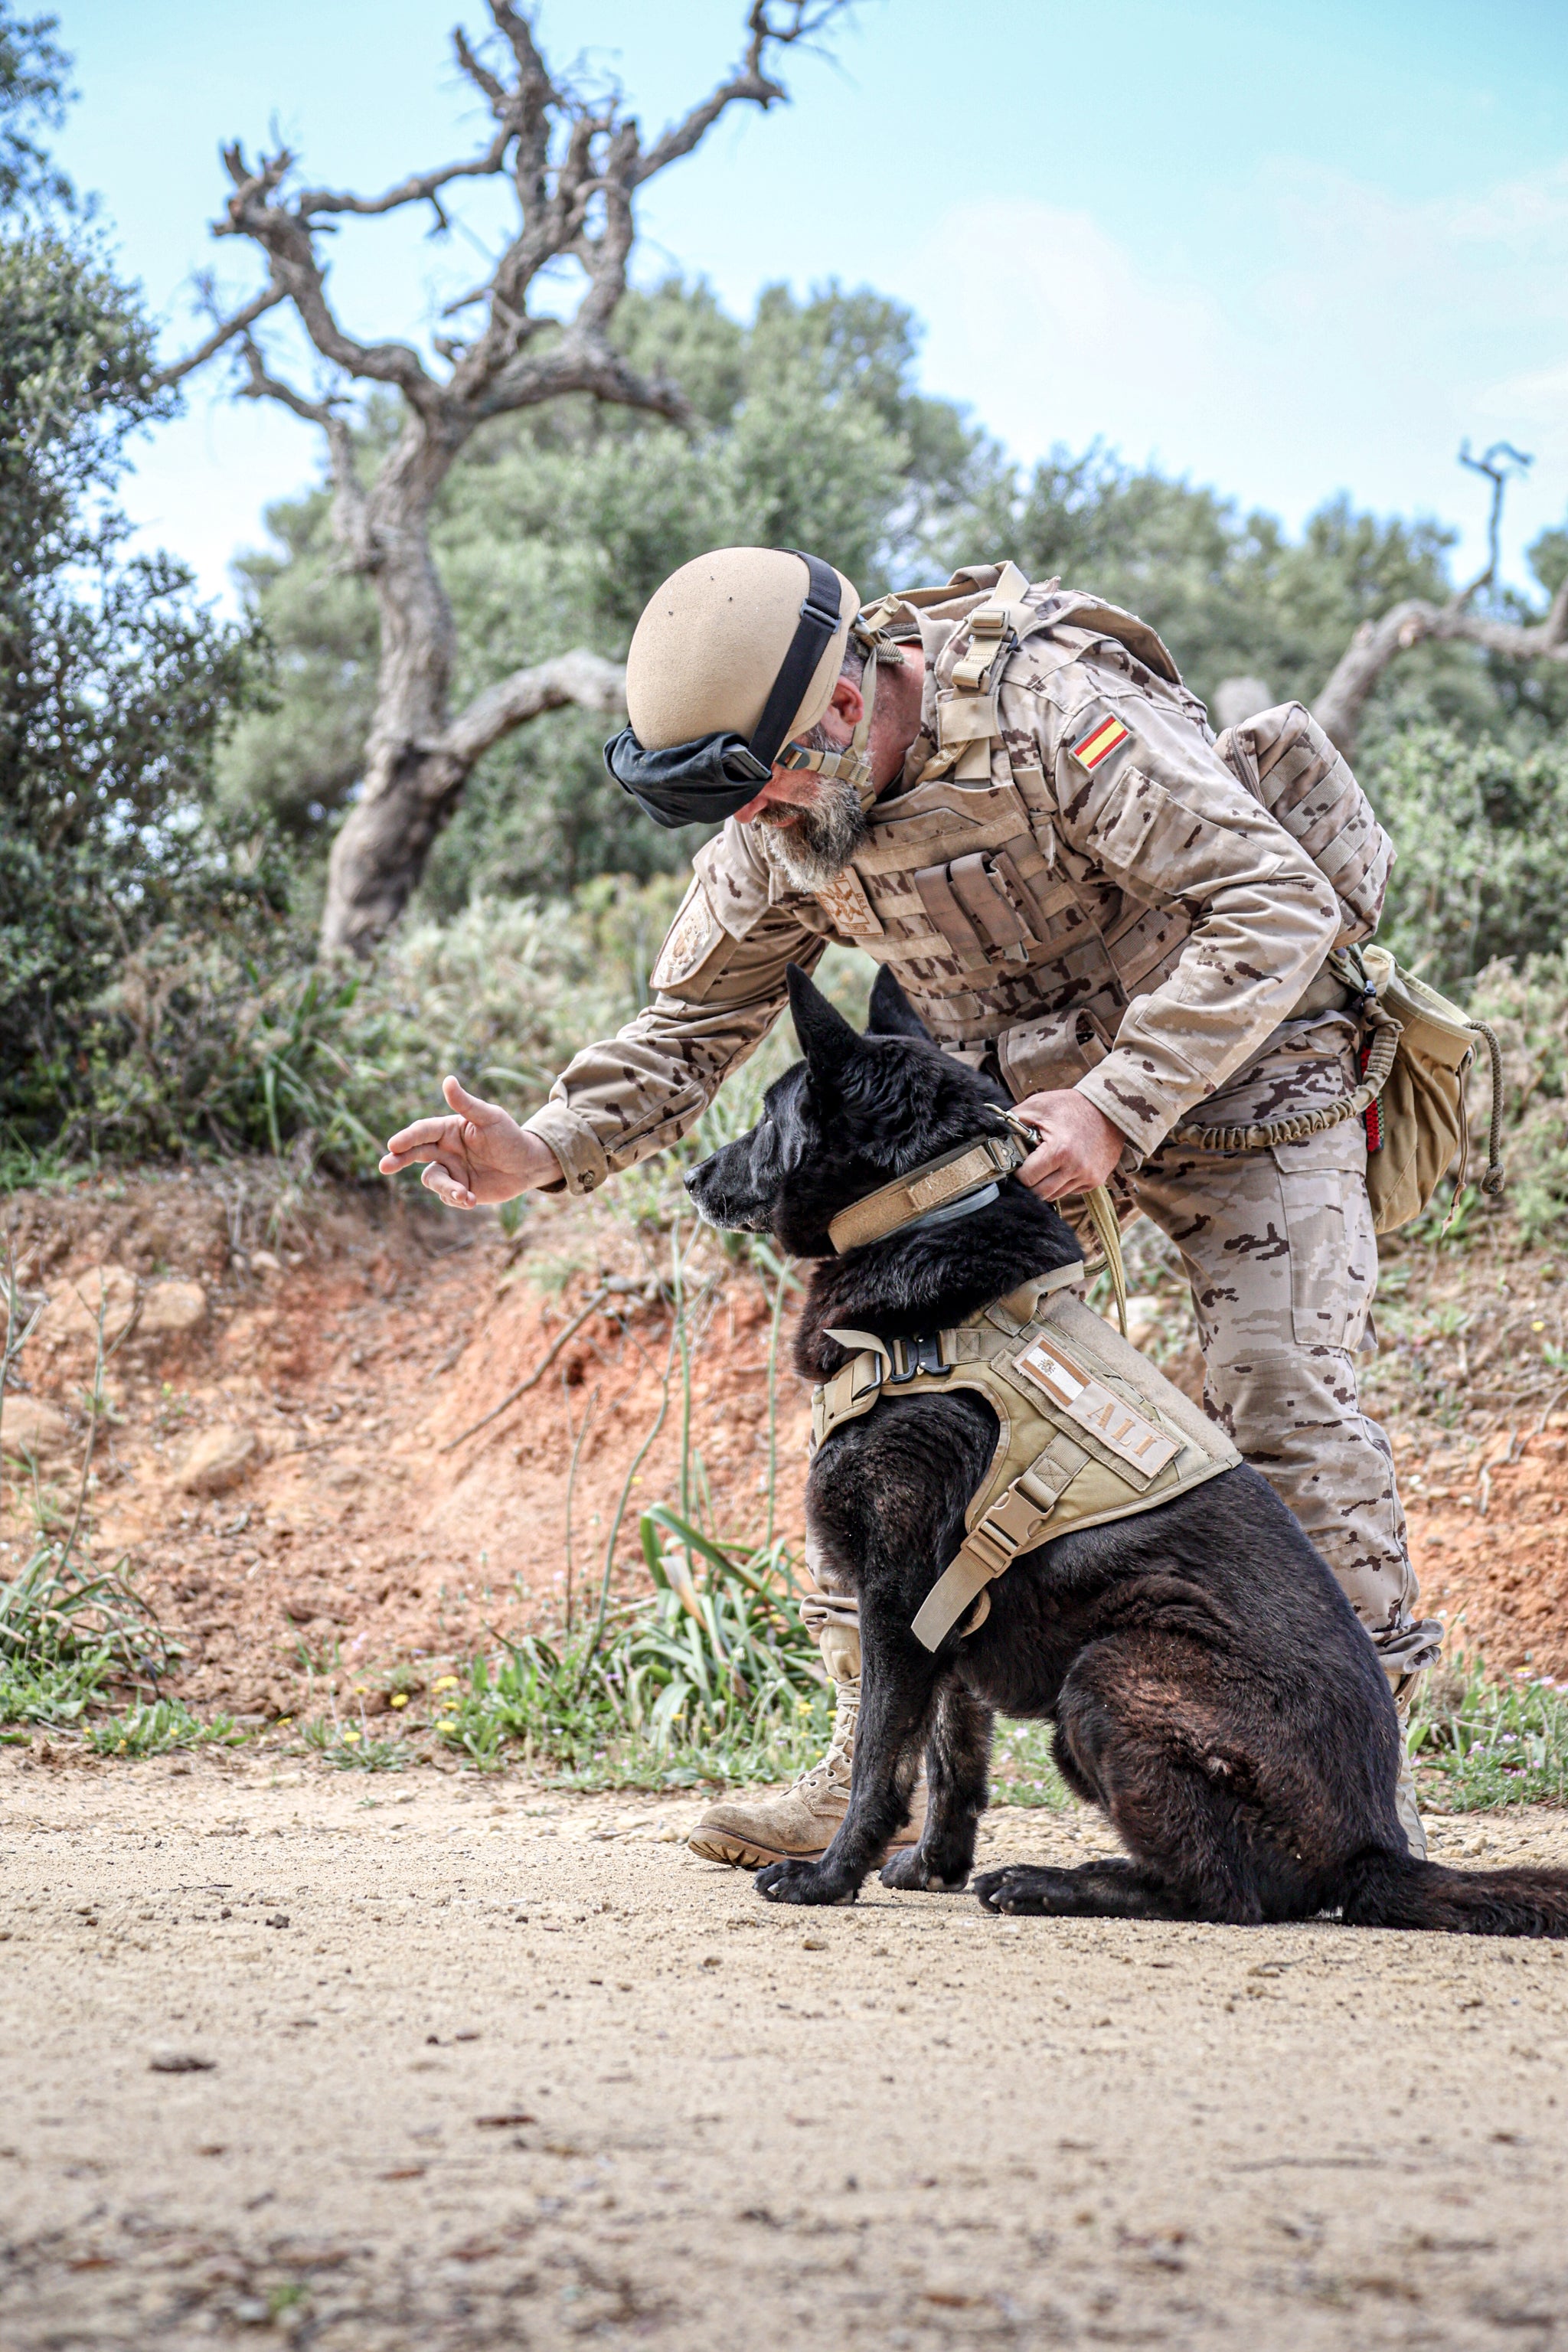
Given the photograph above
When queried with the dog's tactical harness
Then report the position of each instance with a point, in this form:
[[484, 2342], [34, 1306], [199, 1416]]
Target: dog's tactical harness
[[1090, 1430]]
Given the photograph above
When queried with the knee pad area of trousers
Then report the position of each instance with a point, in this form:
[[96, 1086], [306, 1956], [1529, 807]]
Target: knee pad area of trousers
[[840, 1646]]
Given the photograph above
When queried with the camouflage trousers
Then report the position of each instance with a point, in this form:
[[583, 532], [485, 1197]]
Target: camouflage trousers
[[1278, 1247]]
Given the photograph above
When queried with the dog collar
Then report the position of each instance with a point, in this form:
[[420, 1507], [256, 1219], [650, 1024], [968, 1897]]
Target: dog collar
[[934, 1187], [963, 1179]]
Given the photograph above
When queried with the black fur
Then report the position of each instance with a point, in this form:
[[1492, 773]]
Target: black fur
[[1212, 1690]]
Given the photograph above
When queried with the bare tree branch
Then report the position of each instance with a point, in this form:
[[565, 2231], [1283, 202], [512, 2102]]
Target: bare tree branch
[[579, 676], [286, 237], [420, 188], [1499, 464], [350, 508], [224, 332], [1376, 644], [578, 366], [1543, 640], [1339, 707], [576, 162]]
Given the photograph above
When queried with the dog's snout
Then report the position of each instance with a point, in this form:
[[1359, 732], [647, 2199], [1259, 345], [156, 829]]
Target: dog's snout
[[689, 1178]]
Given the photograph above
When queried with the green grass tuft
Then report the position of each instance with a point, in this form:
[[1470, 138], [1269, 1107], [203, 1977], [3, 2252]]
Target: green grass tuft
[[66, 1633], [1480, 1745], [156, 1726], [349, 1750]]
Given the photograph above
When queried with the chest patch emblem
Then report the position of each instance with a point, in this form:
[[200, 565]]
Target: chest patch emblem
[[693, 932], [1090, 1404], [847, 907], [1103, 738]]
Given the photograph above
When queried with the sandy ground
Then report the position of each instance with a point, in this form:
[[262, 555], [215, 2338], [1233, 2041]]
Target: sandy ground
[[478, 2065]]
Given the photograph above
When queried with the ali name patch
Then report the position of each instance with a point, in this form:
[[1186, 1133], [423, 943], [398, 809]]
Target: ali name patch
[[843, 902], [1090, 1404]]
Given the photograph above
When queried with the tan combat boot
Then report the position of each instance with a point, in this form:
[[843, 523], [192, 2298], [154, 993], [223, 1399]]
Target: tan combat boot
[[801, 1825]]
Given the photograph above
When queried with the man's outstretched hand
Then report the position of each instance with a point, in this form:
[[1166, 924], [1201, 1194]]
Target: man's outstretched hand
[[1077, 1149], [478, 1154]]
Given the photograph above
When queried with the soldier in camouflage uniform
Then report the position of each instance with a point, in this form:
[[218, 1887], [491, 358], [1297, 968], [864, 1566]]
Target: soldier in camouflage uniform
[[1076, 893]]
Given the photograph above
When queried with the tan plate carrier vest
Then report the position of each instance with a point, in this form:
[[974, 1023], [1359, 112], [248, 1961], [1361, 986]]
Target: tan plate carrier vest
[[1003, 935], [1090, 1430]]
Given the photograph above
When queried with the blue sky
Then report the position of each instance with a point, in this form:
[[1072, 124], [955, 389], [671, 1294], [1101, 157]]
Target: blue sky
[[1282, 250]]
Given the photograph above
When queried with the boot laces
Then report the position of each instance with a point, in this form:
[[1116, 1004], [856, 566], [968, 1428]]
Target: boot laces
[[836, 1765]]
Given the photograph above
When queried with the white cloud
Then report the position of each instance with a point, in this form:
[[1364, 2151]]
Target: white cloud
[[1039, 314], [1375, 336]]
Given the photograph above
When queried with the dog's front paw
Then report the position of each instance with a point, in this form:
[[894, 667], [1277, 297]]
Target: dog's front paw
[[800, 1882], [916, 1876], [1020, 1887]]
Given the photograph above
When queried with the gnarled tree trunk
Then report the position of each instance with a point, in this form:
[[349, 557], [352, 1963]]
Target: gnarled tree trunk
[[575, 164]]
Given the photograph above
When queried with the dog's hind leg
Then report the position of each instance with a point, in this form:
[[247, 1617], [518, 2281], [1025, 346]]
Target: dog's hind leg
[[958, 1756], [1141, 1721]]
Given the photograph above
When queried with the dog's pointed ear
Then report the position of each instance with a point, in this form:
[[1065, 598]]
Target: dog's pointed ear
[[827, 1040], [891, 1013]]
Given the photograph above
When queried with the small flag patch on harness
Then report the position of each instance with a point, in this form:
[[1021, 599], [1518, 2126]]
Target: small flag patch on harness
[[1106, 735]]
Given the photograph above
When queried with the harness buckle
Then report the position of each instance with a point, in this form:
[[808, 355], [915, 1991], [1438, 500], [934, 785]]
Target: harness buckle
[[912, 1356]]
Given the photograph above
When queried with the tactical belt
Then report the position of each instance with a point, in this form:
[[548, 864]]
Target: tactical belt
[[1089, 1431]]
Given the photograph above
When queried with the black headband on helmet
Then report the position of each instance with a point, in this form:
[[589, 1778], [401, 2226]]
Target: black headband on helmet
[[714, 775]]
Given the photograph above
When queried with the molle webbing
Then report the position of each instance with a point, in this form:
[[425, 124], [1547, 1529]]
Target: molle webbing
[[1090, 1430]]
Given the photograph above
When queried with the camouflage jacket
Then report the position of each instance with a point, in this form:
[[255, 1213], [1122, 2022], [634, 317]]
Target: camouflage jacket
[[1071, 885]]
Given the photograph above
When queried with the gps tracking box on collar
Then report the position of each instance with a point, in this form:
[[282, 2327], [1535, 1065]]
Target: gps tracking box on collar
[[714, 775]]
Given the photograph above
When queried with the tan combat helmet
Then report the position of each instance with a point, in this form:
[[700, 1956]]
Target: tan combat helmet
[[734, 655], [712, 640]]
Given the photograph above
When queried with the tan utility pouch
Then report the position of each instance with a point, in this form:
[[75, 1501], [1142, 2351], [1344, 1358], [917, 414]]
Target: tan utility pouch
[[1037, 1056], [1412, 1094], [987, 905], [1421, 1109]]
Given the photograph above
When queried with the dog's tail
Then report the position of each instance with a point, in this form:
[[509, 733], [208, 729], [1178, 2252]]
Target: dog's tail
[[1393, 1890]]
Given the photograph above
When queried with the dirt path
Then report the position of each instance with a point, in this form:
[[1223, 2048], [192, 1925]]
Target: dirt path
[[485, 2066]]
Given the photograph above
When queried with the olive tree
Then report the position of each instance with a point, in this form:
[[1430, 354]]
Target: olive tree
[[573, 163]]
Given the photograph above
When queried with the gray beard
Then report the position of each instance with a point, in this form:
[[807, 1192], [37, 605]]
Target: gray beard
[[815, 850]]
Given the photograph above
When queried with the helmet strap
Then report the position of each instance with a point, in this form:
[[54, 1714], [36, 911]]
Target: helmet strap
[[853, 763]]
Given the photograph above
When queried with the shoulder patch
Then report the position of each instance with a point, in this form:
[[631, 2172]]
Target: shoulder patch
[[843, 902], [1098, 739], [692, 935]]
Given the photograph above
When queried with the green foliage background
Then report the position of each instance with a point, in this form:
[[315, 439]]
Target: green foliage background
[[170, 786], [116, 683]]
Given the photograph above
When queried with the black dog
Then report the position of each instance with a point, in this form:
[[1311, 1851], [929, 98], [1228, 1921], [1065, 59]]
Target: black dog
[[1212, 1690]]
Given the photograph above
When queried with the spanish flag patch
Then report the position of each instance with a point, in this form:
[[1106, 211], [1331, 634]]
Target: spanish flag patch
[[1105, 736]]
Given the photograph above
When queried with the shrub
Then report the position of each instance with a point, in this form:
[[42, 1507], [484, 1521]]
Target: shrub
[[1528, 1007], [1481, 828], [117, 684]]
